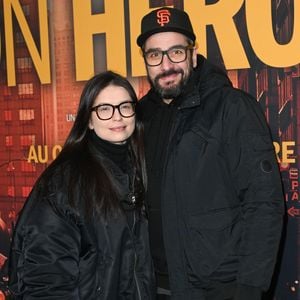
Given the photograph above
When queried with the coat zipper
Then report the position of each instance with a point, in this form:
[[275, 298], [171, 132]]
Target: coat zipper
[[135, 260]]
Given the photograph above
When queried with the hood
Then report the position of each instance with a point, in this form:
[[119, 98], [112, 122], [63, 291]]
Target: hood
[[211, 77], [207, 78]]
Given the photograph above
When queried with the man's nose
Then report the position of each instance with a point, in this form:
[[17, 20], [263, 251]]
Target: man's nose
[[166, 63]]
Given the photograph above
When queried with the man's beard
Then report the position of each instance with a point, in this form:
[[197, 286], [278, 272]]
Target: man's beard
[[169, 92]]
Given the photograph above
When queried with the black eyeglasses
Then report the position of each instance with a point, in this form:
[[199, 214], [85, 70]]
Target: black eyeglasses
[[175, 54], [106, 111]]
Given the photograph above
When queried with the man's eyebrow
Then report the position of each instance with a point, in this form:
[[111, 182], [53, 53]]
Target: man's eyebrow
[[159, 49]]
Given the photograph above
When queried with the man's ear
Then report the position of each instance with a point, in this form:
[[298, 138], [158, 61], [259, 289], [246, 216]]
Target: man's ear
[[194, 56]]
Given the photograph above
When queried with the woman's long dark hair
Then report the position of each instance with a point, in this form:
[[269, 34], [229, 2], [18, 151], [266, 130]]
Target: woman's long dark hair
[[96, 186]]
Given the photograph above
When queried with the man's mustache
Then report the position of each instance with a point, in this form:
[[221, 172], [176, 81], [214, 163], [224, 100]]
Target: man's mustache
[[167, 73]]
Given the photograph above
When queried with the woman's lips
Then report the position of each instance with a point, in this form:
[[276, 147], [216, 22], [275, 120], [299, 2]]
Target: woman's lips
[[118, 128]]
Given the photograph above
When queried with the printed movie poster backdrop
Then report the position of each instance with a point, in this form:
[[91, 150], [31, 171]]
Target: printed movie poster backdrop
[[48, 49]]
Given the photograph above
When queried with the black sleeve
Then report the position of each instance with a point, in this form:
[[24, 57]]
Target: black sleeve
[[257, 181], [45, 254]]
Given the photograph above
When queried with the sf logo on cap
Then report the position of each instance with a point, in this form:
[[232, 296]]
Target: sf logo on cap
[[163, 17]]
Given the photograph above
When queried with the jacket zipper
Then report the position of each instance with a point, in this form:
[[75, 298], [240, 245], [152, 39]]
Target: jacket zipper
[[135, 260]]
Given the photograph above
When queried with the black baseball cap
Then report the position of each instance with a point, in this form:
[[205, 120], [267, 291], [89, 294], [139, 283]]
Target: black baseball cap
[[165, 19]]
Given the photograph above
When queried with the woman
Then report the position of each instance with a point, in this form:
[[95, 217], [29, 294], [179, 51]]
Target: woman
[[82, 233]]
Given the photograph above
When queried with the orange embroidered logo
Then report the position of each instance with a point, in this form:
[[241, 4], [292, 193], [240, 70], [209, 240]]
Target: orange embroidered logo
[[163, 17]]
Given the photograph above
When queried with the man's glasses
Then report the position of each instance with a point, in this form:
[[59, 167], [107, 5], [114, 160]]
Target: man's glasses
[[175, 54], [106, 111]]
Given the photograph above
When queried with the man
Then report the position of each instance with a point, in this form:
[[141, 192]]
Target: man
[[215, 202]]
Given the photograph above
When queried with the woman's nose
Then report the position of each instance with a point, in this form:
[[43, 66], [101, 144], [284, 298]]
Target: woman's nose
[[116, 115]]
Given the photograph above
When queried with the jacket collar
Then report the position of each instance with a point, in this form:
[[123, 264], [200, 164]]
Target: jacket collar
[[205, 80]]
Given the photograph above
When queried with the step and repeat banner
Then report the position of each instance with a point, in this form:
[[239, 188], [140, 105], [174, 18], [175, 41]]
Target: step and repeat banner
[[49, 49]]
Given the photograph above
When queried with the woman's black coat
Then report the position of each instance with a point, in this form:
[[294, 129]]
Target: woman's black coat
[[57, 253]]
